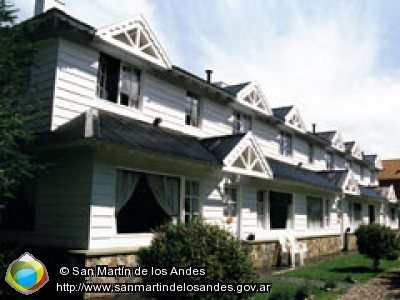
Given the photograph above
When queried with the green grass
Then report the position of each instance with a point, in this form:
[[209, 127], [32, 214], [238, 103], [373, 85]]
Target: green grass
[[357, 266], [292, 288]]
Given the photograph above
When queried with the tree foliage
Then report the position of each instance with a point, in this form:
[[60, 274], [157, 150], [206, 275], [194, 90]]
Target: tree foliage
[[201, 245], [375, 241], [16, 56]]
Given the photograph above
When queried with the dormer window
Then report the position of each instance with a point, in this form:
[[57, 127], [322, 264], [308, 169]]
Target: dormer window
[[192, 110], [117, 82], [329, 160], [286, 144], [241, 122]]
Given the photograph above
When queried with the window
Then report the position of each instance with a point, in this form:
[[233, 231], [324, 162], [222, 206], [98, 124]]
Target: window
[[327, 213], [286, 144], [145, 201], [329, 160], [231, 197], [280, 210], [260, 209], [311, 153], [241, 122], [372, 176], [355, 212], [314, 212], [192, 199], [192, 110], [129, 86], [393, 214], [117, 82], [361, 172]]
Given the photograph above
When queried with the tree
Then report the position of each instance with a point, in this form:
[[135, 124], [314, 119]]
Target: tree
[[375, 241], [197, 245], [16, 56]]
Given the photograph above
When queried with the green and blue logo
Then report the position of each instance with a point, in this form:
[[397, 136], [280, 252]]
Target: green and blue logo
[[26, 274]]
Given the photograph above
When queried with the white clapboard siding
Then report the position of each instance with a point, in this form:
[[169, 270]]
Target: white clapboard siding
[[75, 86], [63, 214], [42, 83]]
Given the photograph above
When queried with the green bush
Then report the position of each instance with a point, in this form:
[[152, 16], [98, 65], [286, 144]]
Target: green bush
[[197, 244], [303, 292], [280, 295], [375, 241], [330, 284], [393, 255]]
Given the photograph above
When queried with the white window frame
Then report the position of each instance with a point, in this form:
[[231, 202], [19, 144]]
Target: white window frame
[[261, 216], [192, 212], [131, 101], [231, 205], [286, 144], [192, 112], [241, 121]]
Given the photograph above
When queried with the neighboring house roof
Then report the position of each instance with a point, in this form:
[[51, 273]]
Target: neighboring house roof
[[294, 173], [281, 112], [236, 88], [105, 126], [391, 170]]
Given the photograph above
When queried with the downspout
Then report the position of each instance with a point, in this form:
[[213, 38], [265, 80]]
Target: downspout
[[342, 237]]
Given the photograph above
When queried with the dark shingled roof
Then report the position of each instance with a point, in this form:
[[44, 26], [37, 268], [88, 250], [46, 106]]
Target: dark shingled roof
[[349, 145], [236, 88], [370, 157], [281, 112], [223, 145], [370, 192], [326, 135], [336, 176], [105, 126], [294, 173]]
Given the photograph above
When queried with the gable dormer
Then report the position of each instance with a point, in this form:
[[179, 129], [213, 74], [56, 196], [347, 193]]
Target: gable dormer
[[350, 185], [374, 159], [353, 149], [334, 138], [135, 37], [251, 95], [291, 116], [344, 180]]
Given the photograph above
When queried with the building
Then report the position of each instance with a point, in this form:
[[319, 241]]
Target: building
[[389, 180], [133, 141]]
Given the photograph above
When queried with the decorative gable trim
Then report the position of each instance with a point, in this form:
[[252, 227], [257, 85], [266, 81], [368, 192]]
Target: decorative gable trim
[[294, 119], [253, 97], [391, 195], [337, 142], [350, 185], [136, 37], [246, 158], [356, 151]]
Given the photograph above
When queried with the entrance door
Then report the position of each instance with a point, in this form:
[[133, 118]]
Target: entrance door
[[371, 212]]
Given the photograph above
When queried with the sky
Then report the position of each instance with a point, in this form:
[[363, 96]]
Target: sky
[[337, 61]]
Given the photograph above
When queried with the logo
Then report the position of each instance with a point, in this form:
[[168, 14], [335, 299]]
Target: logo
[[27, 274]]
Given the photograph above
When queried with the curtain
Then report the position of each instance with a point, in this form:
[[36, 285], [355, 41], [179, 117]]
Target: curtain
[[289, 214], [126, 184], [166, 191]]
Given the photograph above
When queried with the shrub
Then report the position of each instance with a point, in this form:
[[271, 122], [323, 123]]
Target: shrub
[[197, 244], [303, 292], [393, 255], [375, 241], [330, 284], [280, 295]]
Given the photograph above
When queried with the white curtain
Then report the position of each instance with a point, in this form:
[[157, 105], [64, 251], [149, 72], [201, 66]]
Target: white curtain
[[166, 192], [126, 184]]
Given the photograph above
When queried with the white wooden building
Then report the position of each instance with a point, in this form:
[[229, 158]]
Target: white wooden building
[[134, 141]]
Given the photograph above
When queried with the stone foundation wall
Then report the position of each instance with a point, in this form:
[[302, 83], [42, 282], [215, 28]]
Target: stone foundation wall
[[266, 254]]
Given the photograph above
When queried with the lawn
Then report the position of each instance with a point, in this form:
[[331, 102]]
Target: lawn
[[337, 269], [292, 287]]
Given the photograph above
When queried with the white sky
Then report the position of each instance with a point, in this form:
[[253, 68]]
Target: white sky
[[337, 61]]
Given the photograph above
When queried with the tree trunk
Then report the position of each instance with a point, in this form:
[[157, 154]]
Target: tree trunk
[[376, 264]]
